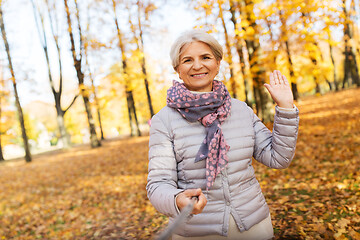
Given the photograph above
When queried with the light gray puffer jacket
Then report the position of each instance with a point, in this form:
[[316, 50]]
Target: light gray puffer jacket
[[174, 143]]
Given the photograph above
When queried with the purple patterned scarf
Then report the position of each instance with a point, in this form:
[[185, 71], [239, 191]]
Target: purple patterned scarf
[[211, 109]]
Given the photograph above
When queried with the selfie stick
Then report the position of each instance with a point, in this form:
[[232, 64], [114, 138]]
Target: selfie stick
[[185, 213]]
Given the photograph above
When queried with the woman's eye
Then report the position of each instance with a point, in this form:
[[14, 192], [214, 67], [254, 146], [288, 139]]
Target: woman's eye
[[206, 57], [186, 60]]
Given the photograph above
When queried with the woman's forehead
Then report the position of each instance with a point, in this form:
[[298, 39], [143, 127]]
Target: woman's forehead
[[196, 48]]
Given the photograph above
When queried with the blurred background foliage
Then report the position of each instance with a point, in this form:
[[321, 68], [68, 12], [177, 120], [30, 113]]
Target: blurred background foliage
[[104, 76]]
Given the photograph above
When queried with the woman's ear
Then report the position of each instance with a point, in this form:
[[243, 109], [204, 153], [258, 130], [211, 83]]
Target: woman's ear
[[177, 71], [218, 66]]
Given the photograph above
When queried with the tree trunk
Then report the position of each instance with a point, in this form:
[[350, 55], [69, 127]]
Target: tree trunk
[[132, 104], [256, 99], [17, 101], [143, 64], [93, 88], [129, 107], [256, 69], [239, 50], [148, 95], [132, 113], [228, 49], [80, 76], [97, 109], [128, 92], [287, 49], [1, 152], [64, 137], [336, 85], [322, 59], [347, 63], [97, 105], [355, 69], [292, 75], [329, 83], [146, 83], [99, 120], [350, 64], [266, 104], [317, 86], [93, 138], [28, 157], [312, 55]]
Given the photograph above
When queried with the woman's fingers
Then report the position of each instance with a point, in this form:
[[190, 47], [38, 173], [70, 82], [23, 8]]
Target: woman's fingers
[[286, 82], [186, 197], [276, 78], [200, 204], [272, 79], [192, 192], [280, 90], [279, 77]]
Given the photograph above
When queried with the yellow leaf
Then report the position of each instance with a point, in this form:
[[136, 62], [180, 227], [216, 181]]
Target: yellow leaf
[[250, 31], [244, 23], [342, 223], [354, 234]]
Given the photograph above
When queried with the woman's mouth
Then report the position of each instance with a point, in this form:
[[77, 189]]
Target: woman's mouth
[[200, 75]]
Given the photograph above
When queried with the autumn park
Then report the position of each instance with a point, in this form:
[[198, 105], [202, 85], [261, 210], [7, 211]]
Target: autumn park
[[80, 81]]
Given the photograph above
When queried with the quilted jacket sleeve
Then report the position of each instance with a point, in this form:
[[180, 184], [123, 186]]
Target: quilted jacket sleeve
[[162, 178], [276, 149]]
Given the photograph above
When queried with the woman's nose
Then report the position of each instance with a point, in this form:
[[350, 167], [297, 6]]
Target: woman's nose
[[197, 64]]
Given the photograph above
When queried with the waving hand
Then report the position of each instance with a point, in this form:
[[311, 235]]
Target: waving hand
[[280, 90]]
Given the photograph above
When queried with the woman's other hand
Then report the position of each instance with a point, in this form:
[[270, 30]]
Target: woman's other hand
[[184, 199], [280, 91]]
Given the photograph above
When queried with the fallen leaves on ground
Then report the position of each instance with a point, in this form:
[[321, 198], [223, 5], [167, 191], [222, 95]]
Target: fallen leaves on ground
[[85, 193], [81, 193], [318, 196]]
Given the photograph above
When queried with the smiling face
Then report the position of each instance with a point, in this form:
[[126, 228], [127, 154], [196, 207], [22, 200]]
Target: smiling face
[[198, 67]]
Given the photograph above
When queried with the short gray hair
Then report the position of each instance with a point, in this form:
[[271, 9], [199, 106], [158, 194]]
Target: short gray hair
[[194, 36]]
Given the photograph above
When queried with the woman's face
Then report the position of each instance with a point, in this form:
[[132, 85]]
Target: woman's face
[[198, 67]]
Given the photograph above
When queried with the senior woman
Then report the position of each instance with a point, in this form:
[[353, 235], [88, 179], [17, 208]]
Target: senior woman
[[202, 144]]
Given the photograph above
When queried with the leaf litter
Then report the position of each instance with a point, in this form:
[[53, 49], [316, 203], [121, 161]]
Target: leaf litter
[[85, 193]]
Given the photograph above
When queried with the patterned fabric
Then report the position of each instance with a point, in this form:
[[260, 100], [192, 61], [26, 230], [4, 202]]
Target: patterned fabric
[[211, 109]]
